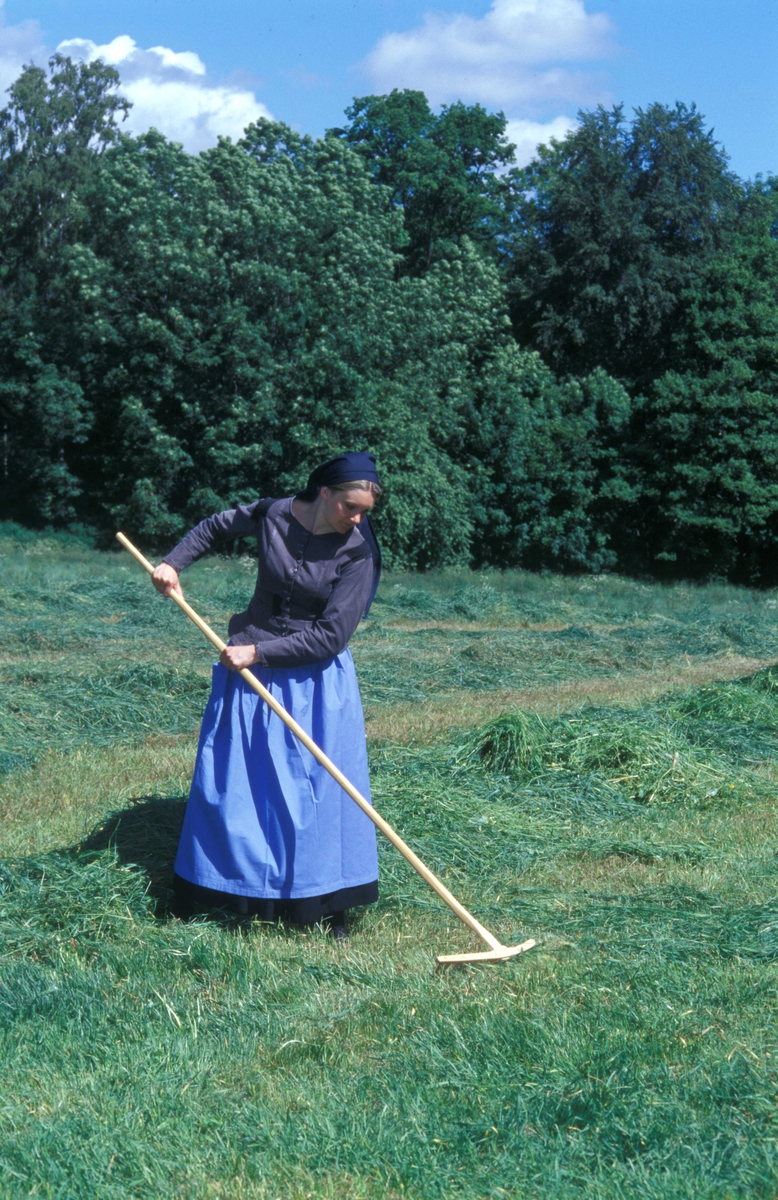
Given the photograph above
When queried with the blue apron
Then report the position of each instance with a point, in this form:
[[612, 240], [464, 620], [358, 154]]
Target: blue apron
[[263, 817]]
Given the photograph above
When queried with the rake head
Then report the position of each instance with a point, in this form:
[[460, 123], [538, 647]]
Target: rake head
[[499, 954]]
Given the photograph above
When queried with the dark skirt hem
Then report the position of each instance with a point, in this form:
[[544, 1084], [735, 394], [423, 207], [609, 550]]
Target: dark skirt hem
[[307, 910]]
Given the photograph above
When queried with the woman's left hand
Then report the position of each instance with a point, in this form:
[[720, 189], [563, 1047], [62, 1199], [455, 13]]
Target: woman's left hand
[[234, 658]]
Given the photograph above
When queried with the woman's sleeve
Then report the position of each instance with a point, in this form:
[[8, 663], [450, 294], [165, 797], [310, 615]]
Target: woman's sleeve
[[221, 527], [328, 634]]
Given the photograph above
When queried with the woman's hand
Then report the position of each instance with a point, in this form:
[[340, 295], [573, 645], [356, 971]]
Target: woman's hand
[[234, 658], [165, 580]]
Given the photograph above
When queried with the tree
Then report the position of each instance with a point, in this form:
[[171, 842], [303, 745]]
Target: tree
[[611, 227], [704, 440], [181, 333], [441, 171], [52, 133], [242, 317], [551, 488]]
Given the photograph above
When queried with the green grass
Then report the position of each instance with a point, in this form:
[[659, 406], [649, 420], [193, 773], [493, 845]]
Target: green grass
[[569, 784]]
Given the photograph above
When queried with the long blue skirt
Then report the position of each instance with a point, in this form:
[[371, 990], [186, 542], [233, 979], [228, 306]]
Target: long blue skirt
[[264, 818]]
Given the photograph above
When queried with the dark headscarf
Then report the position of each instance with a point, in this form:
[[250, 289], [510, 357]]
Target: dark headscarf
[[346, 468]]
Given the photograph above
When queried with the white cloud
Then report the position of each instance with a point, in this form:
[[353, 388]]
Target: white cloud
[[528, 135], [170, 91], [19, 45], [511, 55]]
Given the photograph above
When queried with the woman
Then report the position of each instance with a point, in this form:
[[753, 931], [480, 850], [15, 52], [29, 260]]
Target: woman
[[267, 831]]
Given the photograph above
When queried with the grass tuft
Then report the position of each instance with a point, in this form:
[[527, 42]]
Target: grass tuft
[[515, 741]]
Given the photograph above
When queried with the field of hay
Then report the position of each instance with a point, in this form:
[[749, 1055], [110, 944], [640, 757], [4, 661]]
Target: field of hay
[[590, 762]]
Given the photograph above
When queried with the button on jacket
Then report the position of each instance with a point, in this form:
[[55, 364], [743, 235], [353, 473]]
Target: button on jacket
[[311, 588]]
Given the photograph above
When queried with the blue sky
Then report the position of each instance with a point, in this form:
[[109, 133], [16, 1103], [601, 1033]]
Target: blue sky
[[197, 70]]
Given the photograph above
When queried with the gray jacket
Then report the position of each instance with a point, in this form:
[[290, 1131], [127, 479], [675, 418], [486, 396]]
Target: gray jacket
[[311, 588]]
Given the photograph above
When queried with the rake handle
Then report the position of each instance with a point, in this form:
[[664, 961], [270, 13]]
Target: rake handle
[[251, 679]]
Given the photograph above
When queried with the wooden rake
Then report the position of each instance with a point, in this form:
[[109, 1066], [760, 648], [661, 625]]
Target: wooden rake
[[496, 952]]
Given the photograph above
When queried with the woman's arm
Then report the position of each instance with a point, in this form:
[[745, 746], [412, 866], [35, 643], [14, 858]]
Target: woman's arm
[[221, 527]]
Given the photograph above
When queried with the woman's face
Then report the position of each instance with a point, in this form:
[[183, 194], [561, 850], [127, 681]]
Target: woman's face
[[342, 510]]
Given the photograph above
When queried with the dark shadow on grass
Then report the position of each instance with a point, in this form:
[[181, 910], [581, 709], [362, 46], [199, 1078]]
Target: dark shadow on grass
[[144, 835]]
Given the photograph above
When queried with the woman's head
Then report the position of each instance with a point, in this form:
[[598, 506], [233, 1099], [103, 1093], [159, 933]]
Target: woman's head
[[354, 471], [345, 489]]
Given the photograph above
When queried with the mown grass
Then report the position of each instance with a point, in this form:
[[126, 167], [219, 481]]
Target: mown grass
[[632, 1054]]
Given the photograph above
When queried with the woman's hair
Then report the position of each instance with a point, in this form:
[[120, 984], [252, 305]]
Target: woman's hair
[[355, 485]]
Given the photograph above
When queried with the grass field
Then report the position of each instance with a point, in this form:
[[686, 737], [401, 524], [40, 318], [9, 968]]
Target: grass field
[[591, 762]]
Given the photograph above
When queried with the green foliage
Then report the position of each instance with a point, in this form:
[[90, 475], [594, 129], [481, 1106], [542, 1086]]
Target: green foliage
[[181, 334], [286, 339], [52, 135], [704, 439], [551, 487], [238, 317], [612, 225], [638, 252], [440, 171]]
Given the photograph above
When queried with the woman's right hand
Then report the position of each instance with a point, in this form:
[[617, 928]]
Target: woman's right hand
[[165, 580]]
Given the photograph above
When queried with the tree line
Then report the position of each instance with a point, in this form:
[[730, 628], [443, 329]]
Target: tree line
[[568, 366]]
